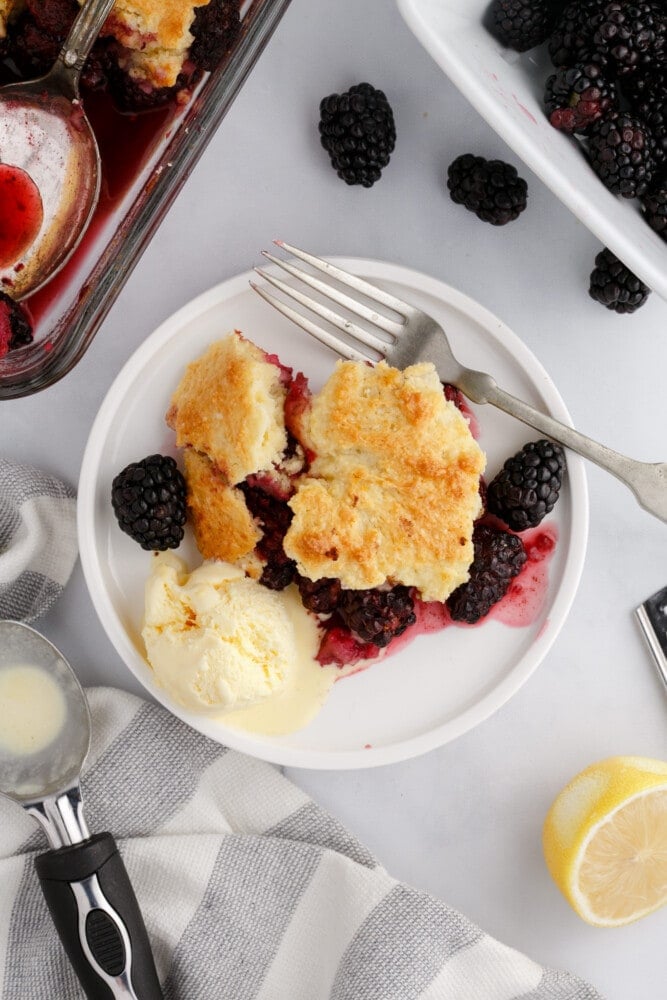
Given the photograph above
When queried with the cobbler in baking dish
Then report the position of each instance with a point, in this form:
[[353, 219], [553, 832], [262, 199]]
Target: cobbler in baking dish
[[141, 72], [148, 52]]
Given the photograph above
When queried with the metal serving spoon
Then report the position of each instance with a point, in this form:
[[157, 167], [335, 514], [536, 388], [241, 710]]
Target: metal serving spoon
[[46, 139], [44, 740]]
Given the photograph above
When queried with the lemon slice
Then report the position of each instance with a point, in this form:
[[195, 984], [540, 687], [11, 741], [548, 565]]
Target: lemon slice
[[605, 840]]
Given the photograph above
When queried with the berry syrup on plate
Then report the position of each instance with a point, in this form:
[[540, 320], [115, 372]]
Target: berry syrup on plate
[[520, 607]]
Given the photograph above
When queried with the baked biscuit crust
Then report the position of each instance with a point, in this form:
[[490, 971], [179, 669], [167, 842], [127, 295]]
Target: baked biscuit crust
[[393, 491], [229, 405], [156, 34], [223, 526]]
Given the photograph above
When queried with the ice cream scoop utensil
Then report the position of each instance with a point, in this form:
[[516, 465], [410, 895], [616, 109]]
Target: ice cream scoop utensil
[[44, 740], [45, 133], [412, 336]]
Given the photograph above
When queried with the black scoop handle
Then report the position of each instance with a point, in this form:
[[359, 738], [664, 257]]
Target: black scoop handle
[[96, 914]]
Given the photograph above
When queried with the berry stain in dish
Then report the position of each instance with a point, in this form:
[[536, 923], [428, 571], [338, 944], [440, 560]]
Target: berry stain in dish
[[126, 142], [21, 213]]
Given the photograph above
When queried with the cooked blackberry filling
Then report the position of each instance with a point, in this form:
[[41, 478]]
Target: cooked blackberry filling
[[274, 518]]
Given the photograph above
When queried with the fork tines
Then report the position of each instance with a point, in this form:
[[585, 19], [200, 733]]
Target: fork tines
[[361, 335]]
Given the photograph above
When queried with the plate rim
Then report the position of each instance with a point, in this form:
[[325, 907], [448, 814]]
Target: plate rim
[[362, 757]]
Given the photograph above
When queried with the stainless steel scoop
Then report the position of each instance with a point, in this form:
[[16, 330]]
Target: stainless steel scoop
[[44, 132], [83, 877]]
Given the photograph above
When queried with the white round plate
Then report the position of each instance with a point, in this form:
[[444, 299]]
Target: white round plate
[[440, 685]]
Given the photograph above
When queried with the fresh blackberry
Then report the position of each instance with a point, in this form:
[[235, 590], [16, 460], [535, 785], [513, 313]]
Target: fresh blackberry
[[577, 96], [639, 87], [572, 39], [490, 188], [358, 132], [528, 485], [377, 615], [649, 102], [615, 286], [215, 27], [274, 517], [15, 325], [499, 557], [521, 24], [632, 35], [319, 596], [148, 499], [654, 207], [622, 153]]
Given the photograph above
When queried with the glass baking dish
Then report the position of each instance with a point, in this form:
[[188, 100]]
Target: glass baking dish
[[159, 149]]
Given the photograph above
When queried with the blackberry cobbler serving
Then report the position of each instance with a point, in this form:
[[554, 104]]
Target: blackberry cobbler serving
[[332, 526], [366, 497]]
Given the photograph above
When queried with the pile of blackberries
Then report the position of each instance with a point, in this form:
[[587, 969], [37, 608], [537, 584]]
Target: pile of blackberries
[[609, 86]]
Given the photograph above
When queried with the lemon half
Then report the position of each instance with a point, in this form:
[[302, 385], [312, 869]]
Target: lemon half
[[605, 840]]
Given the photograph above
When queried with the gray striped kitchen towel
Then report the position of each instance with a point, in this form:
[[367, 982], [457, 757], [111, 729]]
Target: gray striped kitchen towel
[[38, 546], [249, 890]]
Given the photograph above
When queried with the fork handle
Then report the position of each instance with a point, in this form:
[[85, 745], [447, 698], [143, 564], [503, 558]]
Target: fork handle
[[648, 481]]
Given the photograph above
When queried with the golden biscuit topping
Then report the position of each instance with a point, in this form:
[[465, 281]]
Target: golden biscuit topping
[[393, 491], [223, 526], [229, 405]]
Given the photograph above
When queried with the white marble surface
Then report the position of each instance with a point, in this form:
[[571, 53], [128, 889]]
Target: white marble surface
[[464, 821]]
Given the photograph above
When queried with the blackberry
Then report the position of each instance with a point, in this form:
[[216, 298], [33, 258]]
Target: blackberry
[[577, 96], [274, 517], [148, 499], [632, 35], [490, 188], [319, 596], [278, 572], [215, 27], [638, 87], [622, 153], [615, 286], [654, 207], [358, 132], [15, 325], [499, 557], [528, 485], [377, 616], [572, 40], [650, 104], [521, 24]]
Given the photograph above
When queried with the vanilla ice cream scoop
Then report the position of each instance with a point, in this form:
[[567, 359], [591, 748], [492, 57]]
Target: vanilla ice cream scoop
[[216, 640]]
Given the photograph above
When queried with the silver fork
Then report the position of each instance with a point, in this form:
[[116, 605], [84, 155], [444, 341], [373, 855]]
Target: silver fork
[[418, 337]]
